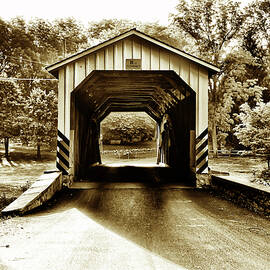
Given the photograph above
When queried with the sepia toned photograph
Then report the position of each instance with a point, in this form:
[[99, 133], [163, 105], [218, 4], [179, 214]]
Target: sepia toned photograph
[[135, 135]]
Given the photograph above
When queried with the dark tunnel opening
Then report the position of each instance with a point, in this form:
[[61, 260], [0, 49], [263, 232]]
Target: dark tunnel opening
[[162, 95]]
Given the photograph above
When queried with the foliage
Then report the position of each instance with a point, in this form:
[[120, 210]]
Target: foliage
[[10, 99], [109, 28], [213, 26], [256, 34], [40, 123], [217, 28], [128, 127], [262, 177], [214, 30], [234, 95], [254, 127], [256, 40]]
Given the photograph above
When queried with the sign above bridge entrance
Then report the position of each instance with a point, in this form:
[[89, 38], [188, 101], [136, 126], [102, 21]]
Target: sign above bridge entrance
[[133, 64]]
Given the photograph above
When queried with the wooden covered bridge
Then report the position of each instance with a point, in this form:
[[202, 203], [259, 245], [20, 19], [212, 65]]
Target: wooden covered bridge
[[133, 72]]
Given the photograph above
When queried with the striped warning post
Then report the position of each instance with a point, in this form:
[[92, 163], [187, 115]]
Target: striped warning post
[[202, 152], [62, 161]]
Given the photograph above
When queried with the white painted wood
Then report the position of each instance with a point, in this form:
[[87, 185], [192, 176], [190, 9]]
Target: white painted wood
[[146, 59], [90, 63], [137, 49], [61, 100], [154, 58], [69, 88], [184, 70], [118, 56], [203, 100], [84, 53], [127, 47], [194, 73], [175, 63], [109, 61], [79, 71], [164, 60], [100, 60], [194, 79]]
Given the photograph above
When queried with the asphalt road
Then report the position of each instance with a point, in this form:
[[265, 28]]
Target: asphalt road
[[136, 227]]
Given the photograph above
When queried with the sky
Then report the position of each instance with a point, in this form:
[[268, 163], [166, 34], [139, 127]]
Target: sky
[[91, 10]]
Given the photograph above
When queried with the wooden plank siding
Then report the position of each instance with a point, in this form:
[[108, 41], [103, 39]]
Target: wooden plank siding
[[190, 110], [113, 57], [61, 100], [69, 87], [202, 100]]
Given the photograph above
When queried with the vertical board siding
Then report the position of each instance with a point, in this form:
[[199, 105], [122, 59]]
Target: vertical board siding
[[194, 79], [137, 52], [69, 87], [113, 57], [164, 60], [154, 58], [194, 73], [90, 63], [146, 57], [185, 70], [61, 100], [80, 71], [175, 63], [100, 61], [109, 61], [118, 56], [203, 99], [127, 50]]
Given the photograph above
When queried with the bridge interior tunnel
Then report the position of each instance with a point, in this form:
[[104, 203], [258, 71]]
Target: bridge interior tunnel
[[163, 95]]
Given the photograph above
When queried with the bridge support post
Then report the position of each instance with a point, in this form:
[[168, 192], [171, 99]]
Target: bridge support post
[[192, 152]]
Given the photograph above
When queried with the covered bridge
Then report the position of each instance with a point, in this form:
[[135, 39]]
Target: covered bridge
[[133, 72]]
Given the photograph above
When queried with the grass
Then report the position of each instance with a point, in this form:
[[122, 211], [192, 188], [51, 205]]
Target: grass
[[248, 168], [143, 152], [238, 165], [21, 170]]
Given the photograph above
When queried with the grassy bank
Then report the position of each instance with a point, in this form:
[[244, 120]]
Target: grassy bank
[[21, 169]]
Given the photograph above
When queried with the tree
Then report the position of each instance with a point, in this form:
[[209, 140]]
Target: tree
[[127, 127], [46, 39], [254, 128], [71, 34], [10, 99], [4, 44], [109, 28], [40, 123], [257, 29], [235, 94], [238, 84], [256, 40], [213, 25]]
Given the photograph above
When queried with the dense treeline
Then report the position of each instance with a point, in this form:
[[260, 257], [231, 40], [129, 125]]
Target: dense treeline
[[128, 128], [223, 32]]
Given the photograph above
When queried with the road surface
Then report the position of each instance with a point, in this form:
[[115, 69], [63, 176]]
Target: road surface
[[121, 226]]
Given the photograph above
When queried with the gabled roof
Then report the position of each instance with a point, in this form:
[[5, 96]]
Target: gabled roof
[[53, 67]]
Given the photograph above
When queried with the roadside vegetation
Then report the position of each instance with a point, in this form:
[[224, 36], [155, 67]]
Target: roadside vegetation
[[234, 37], [21, 170]]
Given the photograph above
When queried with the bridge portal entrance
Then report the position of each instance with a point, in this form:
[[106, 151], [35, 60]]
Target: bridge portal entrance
[[133, 72], [161, 94]]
